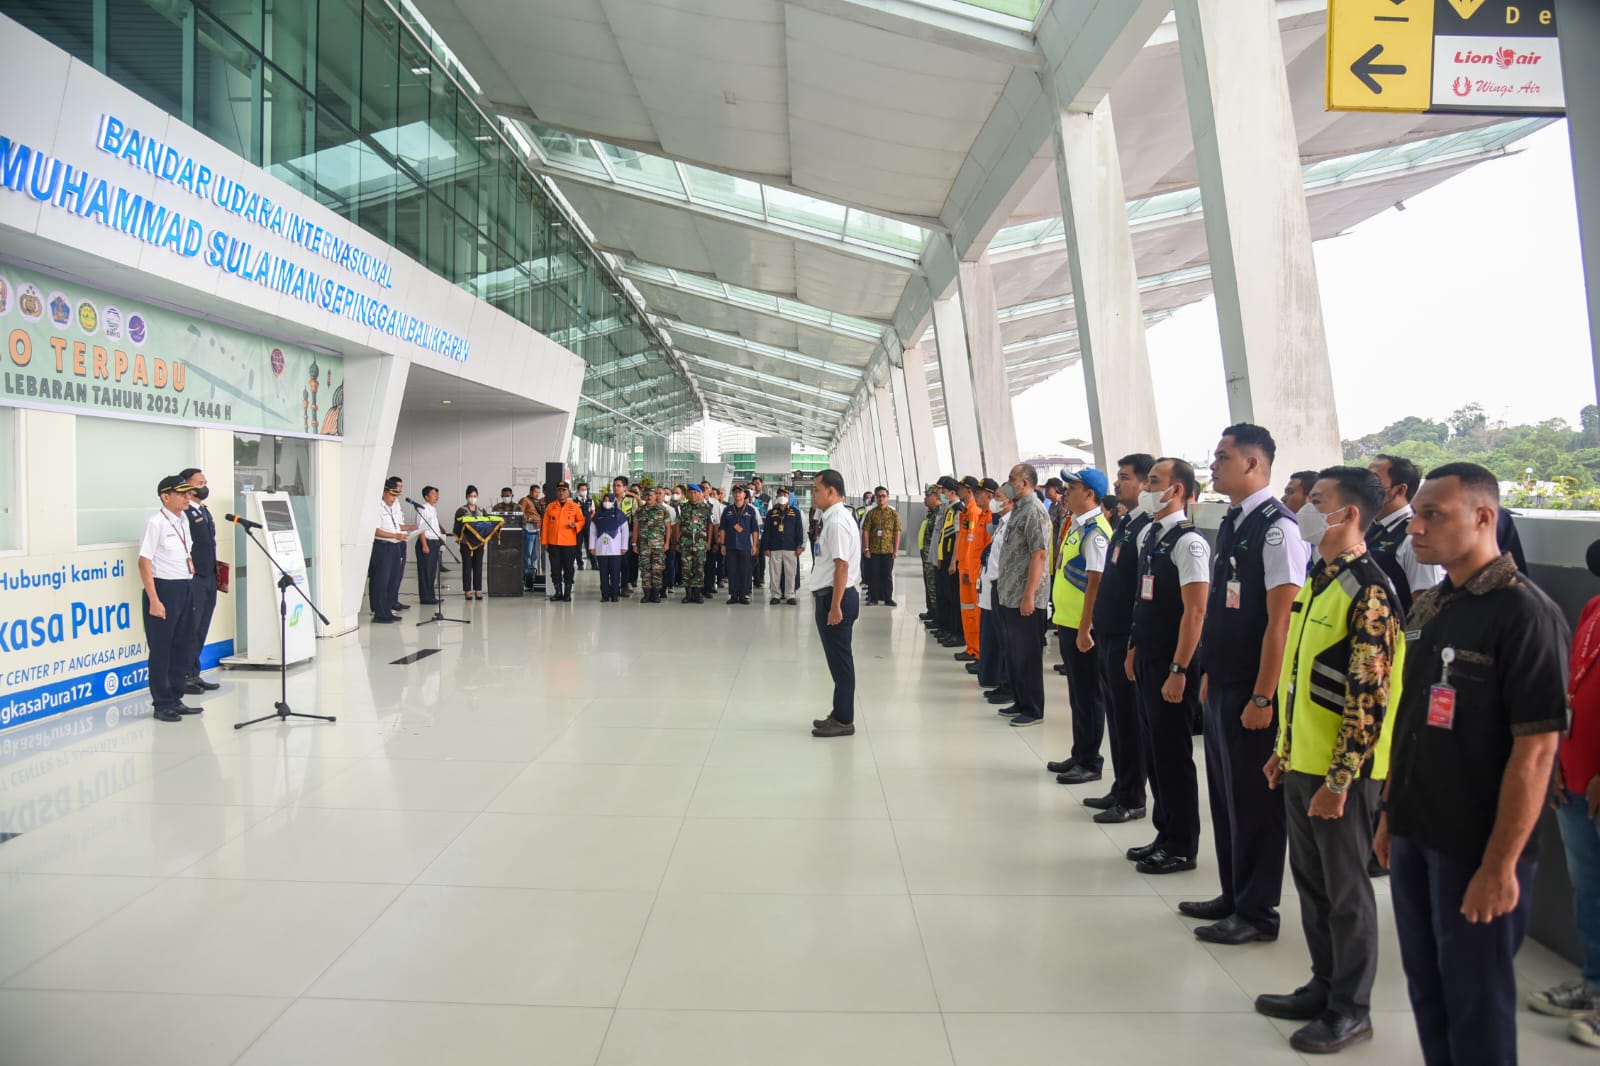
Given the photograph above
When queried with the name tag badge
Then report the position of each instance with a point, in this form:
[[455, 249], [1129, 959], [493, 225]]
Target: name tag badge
[[1147, 587], [1413, 635], [1235, 592], [1442, 707]]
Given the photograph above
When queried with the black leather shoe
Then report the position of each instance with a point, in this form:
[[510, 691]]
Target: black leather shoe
[[391, 620], [1119, 814], [1101, 803], [209, 686], [791, 601], [1059, 767], [167, 716], [1142, 852], [402, 607], [194, 688], [972, 667], [833, 728], [1304, 1004], [1161, 862], [1207, 910], [963, 657], [1009, 712], [1330, 1033], [184, 708], [1232, 931], [890, 603], [1078, 775], [1060, 668]]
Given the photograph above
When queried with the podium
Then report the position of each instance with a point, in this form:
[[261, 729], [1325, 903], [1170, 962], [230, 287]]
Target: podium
[[502, 568]]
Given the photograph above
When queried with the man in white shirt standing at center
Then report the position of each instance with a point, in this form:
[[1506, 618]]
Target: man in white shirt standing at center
[[833, 586], [166, 570]]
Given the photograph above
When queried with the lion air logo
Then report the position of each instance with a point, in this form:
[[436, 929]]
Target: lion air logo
[[1462, 86], [1504, 57]]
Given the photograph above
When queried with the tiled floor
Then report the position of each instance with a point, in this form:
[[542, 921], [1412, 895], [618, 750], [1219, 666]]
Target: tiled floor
[[603, 835]]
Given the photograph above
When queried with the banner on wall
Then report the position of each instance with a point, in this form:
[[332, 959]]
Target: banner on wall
[[70, 347]]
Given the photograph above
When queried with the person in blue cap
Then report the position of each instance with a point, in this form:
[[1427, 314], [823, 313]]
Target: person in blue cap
[[1075, 586]]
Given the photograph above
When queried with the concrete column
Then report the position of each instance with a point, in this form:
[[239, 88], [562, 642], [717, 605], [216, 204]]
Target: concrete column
[[1578, 24], [1105, 286], [955, 378], [364, 464], [875, 461], [991, 389], [892, 436], [860, 469], [1269, 312], [919, 439]]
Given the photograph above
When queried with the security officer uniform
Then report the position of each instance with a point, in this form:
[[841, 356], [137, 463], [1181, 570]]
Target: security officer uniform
[[1258, 547], [431, 537], [1113, 619], [694, 533], [203, 530], [650, 541], [389, 538], [1390, 546], [166, 548], [950, 632], [1085, 544], [924, 543], [1172, 555]]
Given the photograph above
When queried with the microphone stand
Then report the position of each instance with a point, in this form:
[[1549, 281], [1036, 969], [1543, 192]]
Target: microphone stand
[[281, 710], [438, 595]]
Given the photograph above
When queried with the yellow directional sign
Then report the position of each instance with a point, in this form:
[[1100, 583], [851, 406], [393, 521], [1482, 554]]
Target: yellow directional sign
[[1380, 55], [1486, 57]]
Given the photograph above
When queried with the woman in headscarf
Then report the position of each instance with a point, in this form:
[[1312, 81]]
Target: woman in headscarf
[[608, 540]]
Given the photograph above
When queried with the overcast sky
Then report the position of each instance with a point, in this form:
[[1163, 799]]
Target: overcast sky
[[1473, 293]]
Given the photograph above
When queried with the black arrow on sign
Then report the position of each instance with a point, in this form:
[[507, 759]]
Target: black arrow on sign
[[1367, 70]]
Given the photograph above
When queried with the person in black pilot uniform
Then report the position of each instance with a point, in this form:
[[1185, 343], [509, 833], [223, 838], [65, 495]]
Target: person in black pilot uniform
[[1257, 570], [166, 569], [1169, 610], [203, 530]]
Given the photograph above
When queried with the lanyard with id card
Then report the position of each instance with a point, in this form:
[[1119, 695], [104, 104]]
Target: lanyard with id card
[[1235, 588], [1442, 697]]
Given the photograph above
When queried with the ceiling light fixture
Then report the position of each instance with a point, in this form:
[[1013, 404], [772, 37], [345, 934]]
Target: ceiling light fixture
[[421, 72], [447, 401]]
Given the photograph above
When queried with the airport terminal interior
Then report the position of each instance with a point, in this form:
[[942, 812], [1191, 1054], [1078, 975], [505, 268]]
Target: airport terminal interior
[[540, 244]]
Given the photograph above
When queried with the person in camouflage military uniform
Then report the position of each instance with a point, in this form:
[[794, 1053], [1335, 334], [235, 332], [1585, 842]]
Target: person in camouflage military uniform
[[694, 533], [650, 541]]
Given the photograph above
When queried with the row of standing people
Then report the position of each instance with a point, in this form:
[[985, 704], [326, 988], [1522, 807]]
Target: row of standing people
[[1371, 674]]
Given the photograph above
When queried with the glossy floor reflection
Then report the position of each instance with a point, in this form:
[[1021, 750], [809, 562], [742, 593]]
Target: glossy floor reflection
[[603, 835]]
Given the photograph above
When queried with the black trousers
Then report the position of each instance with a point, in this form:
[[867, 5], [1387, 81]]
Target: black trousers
[[471, 569], [836, 647], [1086, 699], [1121, 696], [1023, 639], [1337, 910], [1247, 820], [610, 576], [203, 604], [713, 569], [380, 577], [397, 574], [1169, 746], [168, 640], [428, 570], [880, 576], [630, 568], [759, 569], [563, 559], [950, 603], [1459, 975], [739, 564]]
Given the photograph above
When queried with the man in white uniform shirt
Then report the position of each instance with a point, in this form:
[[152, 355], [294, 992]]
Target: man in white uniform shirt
[[430, 546], [166, 569], [834, 577], [388, 554]]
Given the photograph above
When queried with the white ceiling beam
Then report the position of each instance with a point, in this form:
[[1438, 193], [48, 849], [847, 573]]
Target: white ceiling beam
[[964, 28]]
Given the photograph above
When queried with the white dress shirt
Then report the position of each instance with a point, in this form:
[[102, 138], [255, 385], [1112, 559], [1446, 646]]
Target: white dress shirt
[[390, 520], [1095, 545], [1192, 555], [840, 539], [1419, 575], [428, 521], [168, 544], [1284, 552], [991, 568]]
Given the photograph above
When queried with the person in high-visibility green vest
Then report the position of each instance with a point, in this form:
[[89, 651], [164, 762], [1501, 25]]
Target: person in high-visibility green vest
[[1080, 559], [1341, 678]]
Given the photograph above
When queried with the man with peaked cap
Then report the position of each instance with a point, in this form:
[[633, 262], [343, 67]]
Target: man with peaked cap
[[930, 501], [944, 550], [970, 542], [166, 569], [1080, 564]]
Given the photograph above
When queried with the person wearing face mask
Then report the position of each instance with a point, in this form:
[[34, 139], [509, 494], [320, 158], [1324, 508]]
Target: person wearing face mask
[[532, 527], [608, 540], [694, 533], [1258, 568], [473, 536], [628, 504], [1339, 681], [947, 610], [1388, 540], [650, 530], [674, 504], [972, 539], [784, 540], [203, 599], [714, 558], [563, 522], [991, 664], [508, 503], [1022, 594], [762, 502], [880, 545], [1169, 610], [586, 503], [1080, 565]]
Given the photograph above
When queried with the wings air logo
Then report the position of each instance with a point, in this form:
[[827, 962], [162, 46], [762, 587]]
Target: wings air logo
[[1462, 86]]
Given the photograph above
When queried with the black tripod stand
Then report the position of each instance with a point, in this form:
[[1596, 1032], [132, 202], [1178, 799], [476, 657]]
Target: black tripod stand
[[281, 710]]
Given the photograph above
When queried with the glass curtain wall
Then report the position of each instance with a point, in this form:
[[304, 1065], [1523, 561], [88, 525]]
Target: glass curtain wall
[[341, 100]]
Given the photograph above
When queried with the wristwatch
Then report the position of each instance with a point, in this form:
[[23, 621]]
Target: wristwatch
[[1176, 668], [1261, 701]]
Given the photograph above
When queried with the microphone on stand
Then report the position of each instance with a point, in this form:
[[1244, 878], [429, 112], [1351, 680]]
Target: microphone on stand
[[245, 522]]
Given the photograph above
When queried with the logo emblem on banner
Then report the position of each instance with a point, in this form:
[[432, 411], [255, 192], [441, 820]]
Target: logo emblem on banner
[[277, 362], [113, 321], [88, 317], [30, 303], [136, 328], [5, 296], [60, 310]]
